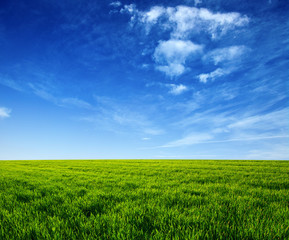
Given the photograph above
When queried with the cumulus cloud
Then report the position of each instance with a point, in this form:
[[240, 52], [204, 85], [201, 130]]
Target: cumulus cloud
[[205, 77], [172, 69], [183, 21], [177, 89], [152, 15], [171, 55], [4, 112], [175, 51]]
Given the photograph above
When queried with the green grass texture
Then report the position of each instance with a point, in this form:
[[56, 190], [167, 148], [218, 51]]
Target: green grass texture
[[144, 199]]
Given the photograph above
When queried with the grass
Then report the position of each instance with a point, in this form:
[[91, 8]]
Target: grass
[[144, 199]]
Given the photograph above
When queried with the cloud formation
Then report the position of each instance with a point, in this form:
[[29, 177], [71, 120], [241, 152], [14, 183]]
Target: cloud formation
[[4, 112], [182, 23], [115, 4], [205, 77], [177, 89], [224, 55], [186, 21], [172, 55]]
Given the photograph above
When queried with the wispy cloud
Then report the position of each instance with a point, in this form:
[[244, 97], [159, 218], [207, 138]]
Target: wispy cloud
[[43, 91], [228, 58], [193, 138], [205, 139], [274, 120], [115, 4], [8, 82], [74, 102], [174, 89], [121, 118], [205, 77], [221, 124], [4, 112], [227, 54]]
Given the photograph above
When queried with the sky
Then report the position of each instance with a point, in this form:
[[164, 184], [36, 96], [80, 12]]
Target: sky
[[191, 79]]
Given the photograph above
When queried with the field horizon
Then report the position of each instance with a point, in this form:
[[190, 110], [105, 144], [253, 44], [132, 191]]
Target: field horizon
[[144, 199], [140, 159]]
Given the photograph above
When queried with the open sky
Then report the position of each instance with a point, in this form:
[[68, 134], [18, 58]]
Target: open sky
[[205, 79]]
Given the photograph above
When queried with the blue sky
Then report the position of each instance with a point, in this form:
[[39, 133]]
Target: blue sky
[[197, 79]]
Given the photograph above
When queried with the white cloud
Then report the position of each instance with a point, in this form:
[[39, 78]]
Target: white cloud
[[115, 4], [152, 15], [172, 69], [225, 54], [183, 21], [219, 23], [175, 51], [173, 54], [204, 77], [130, 9], [177, 89], [145, 139], [4, 112]]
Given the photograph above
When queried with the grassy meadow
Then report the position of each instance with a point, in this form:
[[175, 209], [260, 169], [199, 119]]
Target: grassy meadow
[[144, 199]]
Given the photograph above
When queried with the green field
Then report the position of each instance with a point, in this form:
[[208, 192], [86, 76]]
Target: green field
[[144, 199]]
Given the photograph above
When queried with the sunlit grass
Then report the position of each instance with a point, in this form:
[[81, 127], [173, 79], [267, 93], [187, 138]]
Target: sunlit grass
[[144, 199]]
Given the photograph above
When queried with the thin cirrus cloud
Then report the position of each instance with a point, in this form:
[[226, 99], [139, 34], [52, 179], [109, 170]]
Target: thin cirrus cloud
[[236, 128], [225, 55], [172, 57], [119, 117], [206, 139], [4, 112]]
